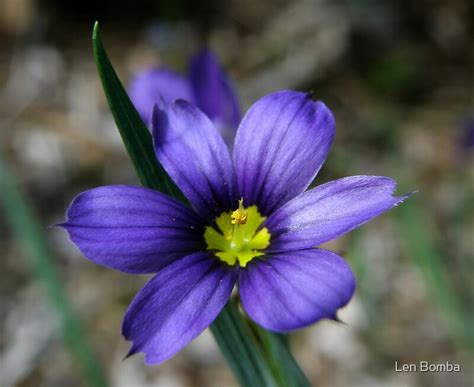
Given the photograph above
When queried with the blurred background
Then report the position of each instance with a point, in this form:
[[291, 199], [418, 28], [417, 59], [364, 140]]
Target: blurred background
[[398, 76]]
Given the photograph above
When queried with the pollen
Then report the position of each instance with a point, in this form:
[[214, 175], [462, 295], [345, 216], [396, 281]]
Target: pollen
[[239, 236], [239, 216]]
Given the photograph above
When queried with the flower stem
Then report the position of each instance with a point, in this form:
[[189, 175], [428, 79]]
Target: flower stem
[[235, 341]]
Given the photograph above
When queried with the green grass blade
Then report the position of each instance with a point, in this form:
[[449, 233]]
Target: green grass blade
[[421, 247], [284, 366], [235, 340], [29, 234], [230, 329], [135, 135]]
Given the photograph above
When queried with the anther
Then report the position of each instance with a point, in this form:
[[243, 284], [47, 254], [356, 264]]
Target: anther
[[239, 216]]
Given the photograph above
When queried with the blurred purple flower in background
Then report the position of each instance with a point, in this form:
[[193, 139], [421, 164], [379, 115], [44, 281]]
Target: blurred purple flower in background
[[206, 86], [466, 140], [251, 223]]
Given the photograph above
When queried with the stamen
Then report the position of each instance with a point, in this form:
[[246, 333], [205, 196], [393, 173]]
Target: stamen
[[239, 216], [239, 236]]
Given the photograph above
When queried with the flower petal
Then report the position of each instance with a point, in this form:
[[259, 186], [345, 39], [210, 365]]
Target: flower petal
[[330, 210], [177, 305], [280, 146], [287, 291], [149, 86], [132, 229], [213, 92], [193, 153]]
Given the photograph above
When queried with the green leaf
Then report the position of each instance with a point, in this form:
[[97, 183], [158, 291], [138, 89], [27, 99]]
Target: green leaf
[[230, 329], [284, 367], [135, 135], [25, 227], [235, 340]]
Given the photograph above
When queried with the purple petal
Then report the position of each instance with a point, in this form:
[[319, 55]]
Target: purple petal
[[280, 146], [213, 92], [329, 211], [148, 87], [287, 291], [177, 305], [193, 153], [132, 229]]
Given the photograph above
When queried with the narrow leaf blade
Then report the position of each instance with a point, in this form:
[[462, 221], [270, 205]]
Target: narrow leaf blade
[[236, 342], [284, 366], [135, 135], [25, 227]]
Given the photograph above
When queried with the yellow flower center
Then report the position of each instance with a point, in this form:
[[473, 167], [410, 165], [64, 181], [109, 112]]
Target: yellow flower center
[[239, 237]]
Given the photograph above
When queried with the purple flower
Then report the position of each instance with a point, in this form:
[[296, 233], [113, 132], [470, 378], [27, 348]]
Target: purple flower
[[206, 86], [467, 134], [251, 224]]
